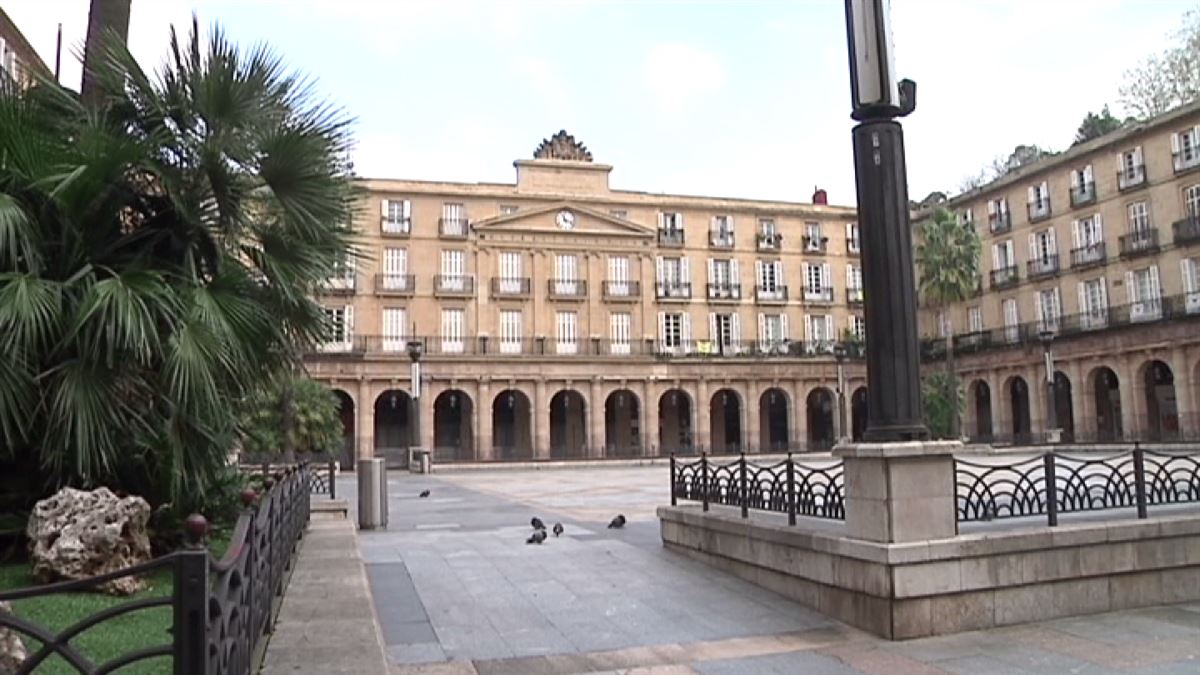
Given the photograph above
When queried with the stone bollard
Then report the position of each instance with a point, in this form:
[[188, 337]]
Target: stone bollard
[[900, 492]]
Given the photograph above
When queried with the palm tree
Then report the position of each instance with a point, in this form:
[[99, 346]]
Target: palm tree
[[948, 260], [159, 252]]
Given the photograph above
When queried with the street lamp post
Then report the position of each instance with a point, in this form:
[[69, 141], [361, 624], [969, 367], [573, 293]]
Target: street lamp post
[[414, 352], [839, 353], [1052, 430], [892, 353]]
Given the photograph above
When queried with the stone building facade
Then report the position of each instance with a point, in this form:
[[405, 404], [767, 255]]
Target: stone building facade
[[18, 60], [1091, 256], [559, 317]]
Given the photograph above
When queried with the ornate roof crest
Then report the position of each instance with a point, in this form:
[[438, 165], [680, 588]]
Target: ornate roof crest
[[563, 146]]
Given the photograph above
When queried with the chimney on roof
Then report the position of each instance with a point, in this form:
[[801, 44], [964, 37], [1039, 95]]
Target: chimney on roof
[[819, 196]]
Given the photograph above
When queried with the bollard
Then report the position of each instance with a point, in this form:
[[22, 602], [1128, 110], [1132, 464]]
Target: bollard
[[372, 509]]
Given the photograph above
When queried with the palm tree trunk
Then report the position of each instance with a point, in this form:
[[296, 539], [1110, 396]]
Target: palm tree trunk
[[105, 17], [952, 380]]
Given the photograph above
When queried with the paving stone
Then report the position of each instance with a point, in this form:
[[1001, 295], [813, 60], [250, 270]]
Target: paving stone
[[783, 664]]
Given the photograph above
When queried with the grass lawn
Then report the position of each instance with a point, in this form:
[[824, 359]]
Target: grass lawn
[[121, 635]]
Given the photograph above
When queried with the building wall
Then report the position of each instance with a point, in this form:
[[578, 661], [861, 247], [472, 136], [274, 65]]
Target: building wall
[[18, 60], [607, 223]]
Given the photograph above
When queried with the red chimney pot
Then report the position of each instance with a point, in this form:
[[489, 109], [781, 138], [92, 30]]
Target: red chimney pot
[[819, 196]]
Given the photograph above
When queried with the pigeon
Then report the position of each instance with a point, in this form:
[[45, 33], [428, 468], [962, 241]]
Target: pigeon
[[537, 537], [537, 523], [617, 522], [558, 529], [424, 494]]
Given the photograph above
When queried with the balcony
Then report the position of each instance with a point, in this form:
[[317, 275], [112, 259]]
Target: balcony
[[1186, 231], [452, 228], [854, 297], [819, 295], [1000, 222], [720, 239], [567, 289], [769, 242], [395, 284], [395, 228], [1186, 160], [815, 244], [766, 295], [670, 237], [340, 285], [1131, 178], [673, 290], [511, 287], [453, 285], [724, 292], [1088, 256], [622, 291], [1044, 266], [1135, 244], [1038, 210], [1083, 194], [1005, 277]]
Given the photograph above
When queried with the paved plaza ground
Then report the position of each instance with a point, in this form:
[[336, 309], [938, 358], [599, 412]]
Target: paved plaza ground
[[457, 590]]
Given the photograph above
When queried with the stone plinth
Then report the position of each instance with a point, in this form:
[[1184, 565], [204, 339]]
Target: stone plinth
[[900, 492]]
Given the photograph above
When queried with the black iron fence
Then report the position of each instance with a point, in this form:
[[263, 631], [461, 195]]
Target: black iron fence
[[222, 609], [1052, 484], [787, 486], [322, 471]]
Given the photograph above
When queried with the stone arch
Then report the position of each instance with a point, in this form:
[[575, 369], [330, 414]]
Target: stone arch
[[454, 426], [1162, 412], [393, 422], [725, 420], [1017, 396], [512, 425], [773, 420], [568, 425], [859, 413], [981, 400], [1064, 408], [622, 424], [1105, 389], [820, 404], [676, 432], [346, 413]]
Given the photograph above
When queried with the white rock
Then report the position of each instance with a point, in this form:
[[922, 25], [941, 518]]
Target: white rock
[[77, 534], [12, 650]]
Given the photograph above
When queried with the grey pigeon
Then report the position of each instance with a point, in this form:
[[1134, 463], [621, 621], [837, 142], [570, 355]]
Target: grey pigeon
[[537, 523], [537, 537], [617, 522], [558, 529], [424, 494]]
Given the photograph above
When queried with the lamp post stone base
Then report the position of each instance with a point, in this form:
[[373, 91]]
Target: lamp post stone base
[[900, 492]]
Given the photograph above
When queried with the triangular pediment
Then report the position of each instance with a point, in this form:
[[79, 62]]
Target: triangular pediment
[[583, 220]]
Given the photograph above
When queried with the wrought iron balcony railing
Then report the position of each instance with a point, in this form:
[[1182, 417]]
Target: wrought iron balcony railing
[[1038, 210], [567, 289], [1043, 266], [395, 284], [1139, 243], [1186, 160], [1086, 256], [1000, 222], [854, 296], [769, 242], [673, 290], [511, 287], [1005, 277], [1084, 193], [346, 284], [720, 239], [818, 295], [452, 228], [670, 237], [770, 294], [395, 228], [622, 290], [815, 244], [1131, 177], [726, 291], [1186, 231], [453, 285]]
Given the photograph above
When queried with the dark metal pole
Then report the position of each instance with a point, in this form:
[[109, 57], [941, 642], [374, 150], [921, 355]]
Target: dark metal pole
[[673, 488], [890, 302], [1051, 490], [742, 494], [1139, 479]]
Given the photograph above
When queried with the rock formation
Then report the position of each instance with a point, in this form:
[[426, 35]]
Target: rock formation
[[12, 650]]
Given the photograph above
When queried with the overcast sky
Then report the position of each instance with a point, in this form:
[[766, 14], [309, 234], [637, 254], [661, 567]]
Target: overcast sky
[[741, 99]]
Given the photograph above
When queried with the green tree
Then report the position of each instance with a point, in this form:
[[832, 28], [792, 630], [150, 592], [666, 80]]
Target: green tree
[[1095, 126], [316, 426], [159, 252], [943, 400], [1168, 79], [948, 263]]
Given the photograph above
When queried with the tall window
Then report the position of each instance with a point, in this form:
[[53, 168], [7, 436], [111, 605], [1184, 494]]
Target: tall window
[[1083, 186], [673, 277], [1003, 256], [1185, 146], [454, 329], [818, 284], [998, 219], [343, 275], [854, 287], [819, 332], [722, 230], [1145, 302], [858, 327], [619, 330], [1191, 201], [725, 332], [1039, 200], [395, 325], [1049, 309], [397, 216], [974, 319], [770, 280], [510, 331], [511, 279], [453, 271], [568, 332], [670, 221], [566, 274], [454, 220], [1131, 169], [674, 331], [1093, 303], [945, 327], [339, 328], [395, 269], [618, 276], [767, 227], [1139, 218], [1191, 284], [852, 241], [723, 279], [1012, 320], [813, 241], [773, 331], [1042, 245]]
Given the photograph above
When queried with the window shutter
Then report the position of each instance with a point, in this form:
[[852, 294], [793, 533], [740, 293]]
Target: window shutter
[[808, 328], [995, 256], [849, 276], [1130, 288], [685, 272], [1003, 202], [991, 207], [712, 228], [713, 333], [1045, 191], [659, 268], [762, 327], [1040, 315], [783, 327], [779, 282], [826, 276], [1083, 305], [1099, 220], [1175, 143], [1155, 293], [1137, 155], [1032, 195], [685, 330], [662, 328], [804, 268], [1088, 176], [407, 208], [1033, 247], [383, 208], [1104, 293], [662, 219], [1075, 175], [1075, 234], [1011, 250], [348, 323], [735, 329], [712, 271], [829, 334], [1189, 280], [735, 275]]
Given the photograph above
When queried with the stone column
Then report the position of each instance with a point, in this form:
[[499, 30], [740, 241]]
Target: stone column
[[1036, 378], [541, 421], [483, 422], [428, 397], [799, 414], [701, 424], [1085, 424], [1001, 407], [649, 427], [597, 442], [752, 433], [1133, 398], [900, 492], [1185, 401], [364, 425]]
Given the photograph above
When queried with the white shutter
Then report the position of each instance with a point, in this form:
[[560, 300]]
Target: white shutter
[[735, 275], [1155, 291], [1032, 195], [808, 328], [995, 256], [1053, 243], [660, 268], [712, 272], [762, 328], [685, 274], [1088, 176], [829, 334], [779, 282], [685, 330], [1189, 281], [783, 327], [1137, 155], [1045, 191], [714, 333], [758, 274], [348, 324], [1075, 234], [1130, 288], [735, 329], [1075, 175], [1037, 306], [991, 207], [1099, 220], [1003, 202], [849, 276], [1083, 304], [1104, 294], [826, 277], [407, 208], [1010, 249], [1033, 247], [662, 221], [662, 328], [383, 208]]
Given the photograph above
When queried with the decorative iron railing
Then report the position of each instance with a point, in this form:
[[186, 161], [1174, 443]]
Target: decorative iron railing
[[1052, 484], [786, 486], [222, 609]]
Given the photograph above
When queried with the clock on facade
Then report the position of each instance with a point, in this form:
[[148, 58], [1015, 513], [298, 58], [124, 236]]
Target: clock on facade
[[565, 220]]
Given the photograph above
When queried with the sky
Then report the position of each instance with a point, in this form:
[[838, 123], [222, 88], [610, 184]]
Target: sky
[[735, 99]]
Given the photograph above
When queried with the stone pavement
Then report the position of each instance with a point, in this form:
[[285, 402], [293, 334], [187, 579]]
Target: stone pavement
[[326, 623], [458, 591]]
